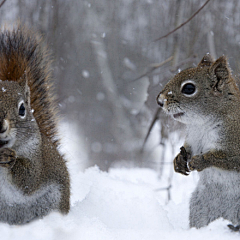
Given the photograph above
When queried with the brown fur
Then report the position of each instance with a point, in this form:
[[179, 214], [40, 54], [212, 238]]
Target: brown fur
[[23, 56], [207, 100], [33, 174]]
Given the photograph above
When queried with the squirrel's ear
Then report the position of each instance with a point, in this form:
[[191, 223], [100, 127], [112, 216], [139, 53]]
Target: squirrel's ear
[[220, 72], [23, 82], [206, 61]]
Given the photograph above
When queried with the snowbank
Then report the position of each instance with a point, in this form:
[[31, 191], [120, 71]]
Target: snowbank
[[119, 205]]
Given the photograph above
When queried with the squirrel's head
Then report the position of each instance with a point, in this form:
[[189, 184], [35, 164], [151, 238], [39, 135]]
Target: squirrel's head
[[16, 116], [196, 94]]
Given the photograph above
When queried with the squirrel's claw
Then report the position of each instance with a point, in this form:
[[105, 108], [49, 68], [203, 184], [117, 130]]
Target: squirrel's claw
[[234, 228], [180, 164], [7, 157]]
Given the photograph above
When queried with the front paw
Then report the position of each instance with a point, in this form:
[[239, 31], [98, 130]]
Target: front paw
[[180, 164], [197, 163], [7, 157]]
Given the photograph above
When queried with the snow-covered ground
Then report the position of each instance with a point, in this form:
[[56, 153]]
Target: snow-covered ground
[[120, 205]]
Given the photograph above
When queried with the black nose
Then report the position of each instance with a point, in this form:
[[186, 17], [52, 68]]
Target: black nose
[[160, 101], [3, 127]]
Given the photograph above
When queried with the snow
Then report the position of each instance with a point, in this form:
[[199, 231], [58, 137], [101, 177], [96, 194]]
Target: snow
[[125, 203], [121, 204], [85, 74]]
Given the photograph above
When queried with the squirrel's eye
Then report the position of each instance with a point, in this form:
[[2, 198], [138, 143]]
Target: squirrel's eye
[[21, 110], [188, 89]]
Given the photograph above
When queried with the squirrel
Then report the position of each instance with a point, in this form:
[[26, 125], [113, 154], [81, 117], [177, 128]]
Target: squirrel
[[33, 174], [207, 100]]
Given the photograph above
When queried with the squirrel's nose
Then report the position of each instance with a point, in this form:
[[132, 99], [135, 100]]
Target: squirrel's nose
[[160, 100], [3, 126]]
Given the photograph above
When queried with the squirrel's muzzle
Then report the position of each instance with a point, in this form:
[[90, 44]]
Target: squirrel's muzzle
[[160, 100], [3, 126]]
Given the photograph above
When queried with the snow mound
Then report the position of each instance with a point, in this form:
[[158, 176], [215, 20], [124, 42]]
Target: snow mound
[[122, 204]]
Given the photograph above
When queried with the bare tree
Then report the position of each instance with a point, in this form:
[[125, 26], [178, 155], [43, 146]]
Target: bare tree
[[105, 63]]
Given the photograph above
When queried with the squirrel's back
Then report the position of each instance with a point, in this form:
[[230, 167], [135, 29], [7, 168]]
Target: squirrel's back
[[23, 55]]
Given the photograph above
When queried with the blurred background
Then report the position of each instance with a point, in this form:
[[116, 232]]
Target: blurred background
[[108, 69]]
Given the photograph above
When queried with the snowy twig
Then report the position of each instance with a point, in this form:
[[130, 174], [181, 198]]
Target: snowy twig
[[156, 117], [163, 189], [2, 3], [174, 30]]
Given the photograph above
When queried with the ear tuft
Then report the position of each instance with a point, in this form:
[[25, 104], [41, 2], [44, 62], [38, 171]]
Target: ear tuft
[[220, 74], [220, 68], [207, 61]]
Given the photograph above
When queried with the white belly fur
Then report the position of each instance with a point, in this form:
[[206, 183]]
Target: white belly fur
[[202, 139], [218, 191], [17, 207]]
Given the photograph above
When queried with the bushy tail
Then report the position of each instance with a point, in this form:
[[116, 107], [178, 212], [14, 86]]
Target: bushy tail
[[23, 55]]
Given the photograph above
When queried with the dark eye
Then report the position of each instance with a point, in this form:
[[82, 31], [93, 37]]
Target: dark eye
[[188, 89], [21, 110]]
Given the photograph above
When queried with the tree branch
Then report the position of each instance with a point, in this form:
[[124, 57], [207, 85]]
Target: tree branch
[[174, 30], [2, 3], [155, 118], [153, 67]]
